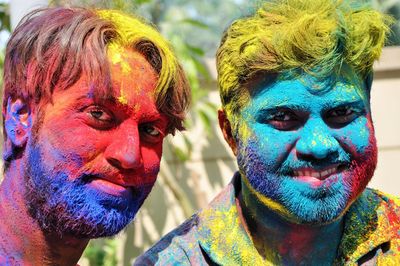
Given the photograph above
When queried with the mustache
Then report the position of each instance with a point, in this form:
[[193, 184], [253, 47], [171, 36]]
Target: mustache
[[87, 175], [139, 190], [288, 166]]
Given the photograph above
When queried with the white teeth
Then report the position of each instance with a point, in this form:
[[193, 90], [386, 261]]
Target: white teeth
[[316, 174]]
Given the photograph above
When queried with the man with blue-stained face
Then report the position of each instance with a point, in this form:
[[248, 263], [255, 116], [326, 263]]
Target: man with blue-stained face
[[311, 149], [295, 81]]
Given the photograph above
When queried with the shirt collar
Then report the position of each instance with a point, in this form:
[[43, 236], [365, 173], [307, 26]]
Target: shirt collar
[[370, 222], [221, 233]]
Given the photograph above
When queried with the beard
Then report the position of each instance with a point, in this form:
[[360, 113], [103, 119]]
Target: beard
[[71, 207], [306, 204]]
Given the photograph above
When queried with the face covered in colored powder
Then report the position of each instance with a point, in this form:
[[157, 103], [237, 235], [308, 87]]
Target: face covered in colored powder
[[92, 162], [306, 146]]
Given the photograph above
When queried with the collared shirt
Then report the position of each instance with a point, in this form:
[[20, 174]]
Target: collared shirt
[[216, 235]]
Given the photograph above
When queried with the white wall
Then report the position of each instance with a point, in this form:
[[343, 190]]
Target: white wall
[[385, 104], [18, 8]]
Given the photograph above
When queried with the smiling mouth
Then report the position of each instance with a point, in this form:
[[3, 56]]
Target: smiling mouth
[[317, 174]]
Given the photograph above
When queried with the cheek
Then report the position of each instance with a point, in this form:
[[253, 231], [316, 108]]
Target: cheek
[[151, 156], [364, 160], [358, 137], [362, 172], [273, 146], [68, 142]]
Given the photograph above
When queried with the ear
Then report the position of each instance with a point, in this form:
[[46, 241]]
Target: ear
[[226, 128], [17, 124]]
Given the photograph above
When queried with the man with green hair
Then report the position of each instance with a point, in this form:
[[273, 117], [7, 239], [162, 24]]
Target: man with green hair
[[89, 96], [295, 82]]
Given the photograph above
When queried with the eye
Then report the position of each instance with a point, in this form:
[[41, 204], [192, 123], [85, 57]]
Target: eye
[[151, 133], [283, 116], [285, 120], [341, 116], [98, 117]]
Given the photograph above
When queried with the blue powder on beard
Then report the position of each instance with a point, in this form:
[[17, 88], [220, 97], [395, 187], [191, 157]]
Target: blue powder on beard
[[71, 207]]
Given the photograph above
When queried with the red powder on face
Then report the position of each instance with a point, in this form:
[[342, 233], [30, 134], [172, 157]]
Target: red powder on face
[[117, 139]]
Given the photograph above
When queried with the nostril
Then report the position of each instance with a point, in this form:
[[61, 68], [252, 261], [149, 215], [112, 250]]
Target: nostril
[[125, 162], [114, 162]]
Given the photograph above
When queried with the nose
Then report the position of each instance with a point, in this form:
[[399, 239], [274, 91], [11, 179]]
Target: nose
[[124, 151], [316, 141]]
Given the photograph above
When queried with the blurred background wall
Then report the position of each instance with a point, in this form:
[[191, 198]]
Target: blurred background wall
[[197, 164]]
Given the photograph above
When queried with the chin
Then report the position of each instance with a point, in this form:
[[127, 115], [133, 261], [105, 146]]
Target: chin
[[73, 208], [329, 203], [314, 206]]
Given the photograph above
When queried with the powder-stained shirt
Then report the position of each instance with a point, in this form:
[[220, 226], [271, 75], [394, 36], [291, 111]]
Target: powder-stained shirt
[[216, 235]]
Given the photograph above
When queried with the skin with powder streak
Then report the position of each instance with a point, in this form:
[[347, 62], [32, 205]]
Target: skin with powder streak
[[300, 128]]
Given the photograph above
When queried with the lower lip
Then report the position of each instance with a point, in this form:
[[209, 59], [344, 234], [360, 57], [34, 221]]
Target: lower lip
[[110, 188], [313, 181]]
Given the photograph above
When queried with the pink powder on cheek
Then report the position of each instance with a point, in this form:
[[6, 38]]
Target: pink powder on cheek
[[364, 168], [151, 157]]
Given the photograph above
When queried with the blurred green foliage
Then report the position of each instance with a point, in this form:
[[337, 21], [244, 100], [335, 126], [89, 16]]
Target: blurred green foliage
[[5, 23], [5, 26]]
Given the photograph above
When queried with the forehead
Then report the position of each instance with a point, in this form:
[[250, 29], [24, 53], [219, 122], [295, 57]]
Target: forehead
[[131, 74], [132, 79], [303, 88]]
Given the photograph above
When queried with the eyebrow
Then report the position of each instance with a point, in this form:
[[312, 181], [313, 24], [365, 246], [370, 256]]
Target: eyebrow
[[336, 104], [80, 100], [153, 116], [298, 107], [291, 106]]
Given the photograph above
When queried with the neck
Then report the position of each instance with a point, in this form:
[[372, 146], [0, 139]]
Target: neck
[[22, 242], [281, 241]]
